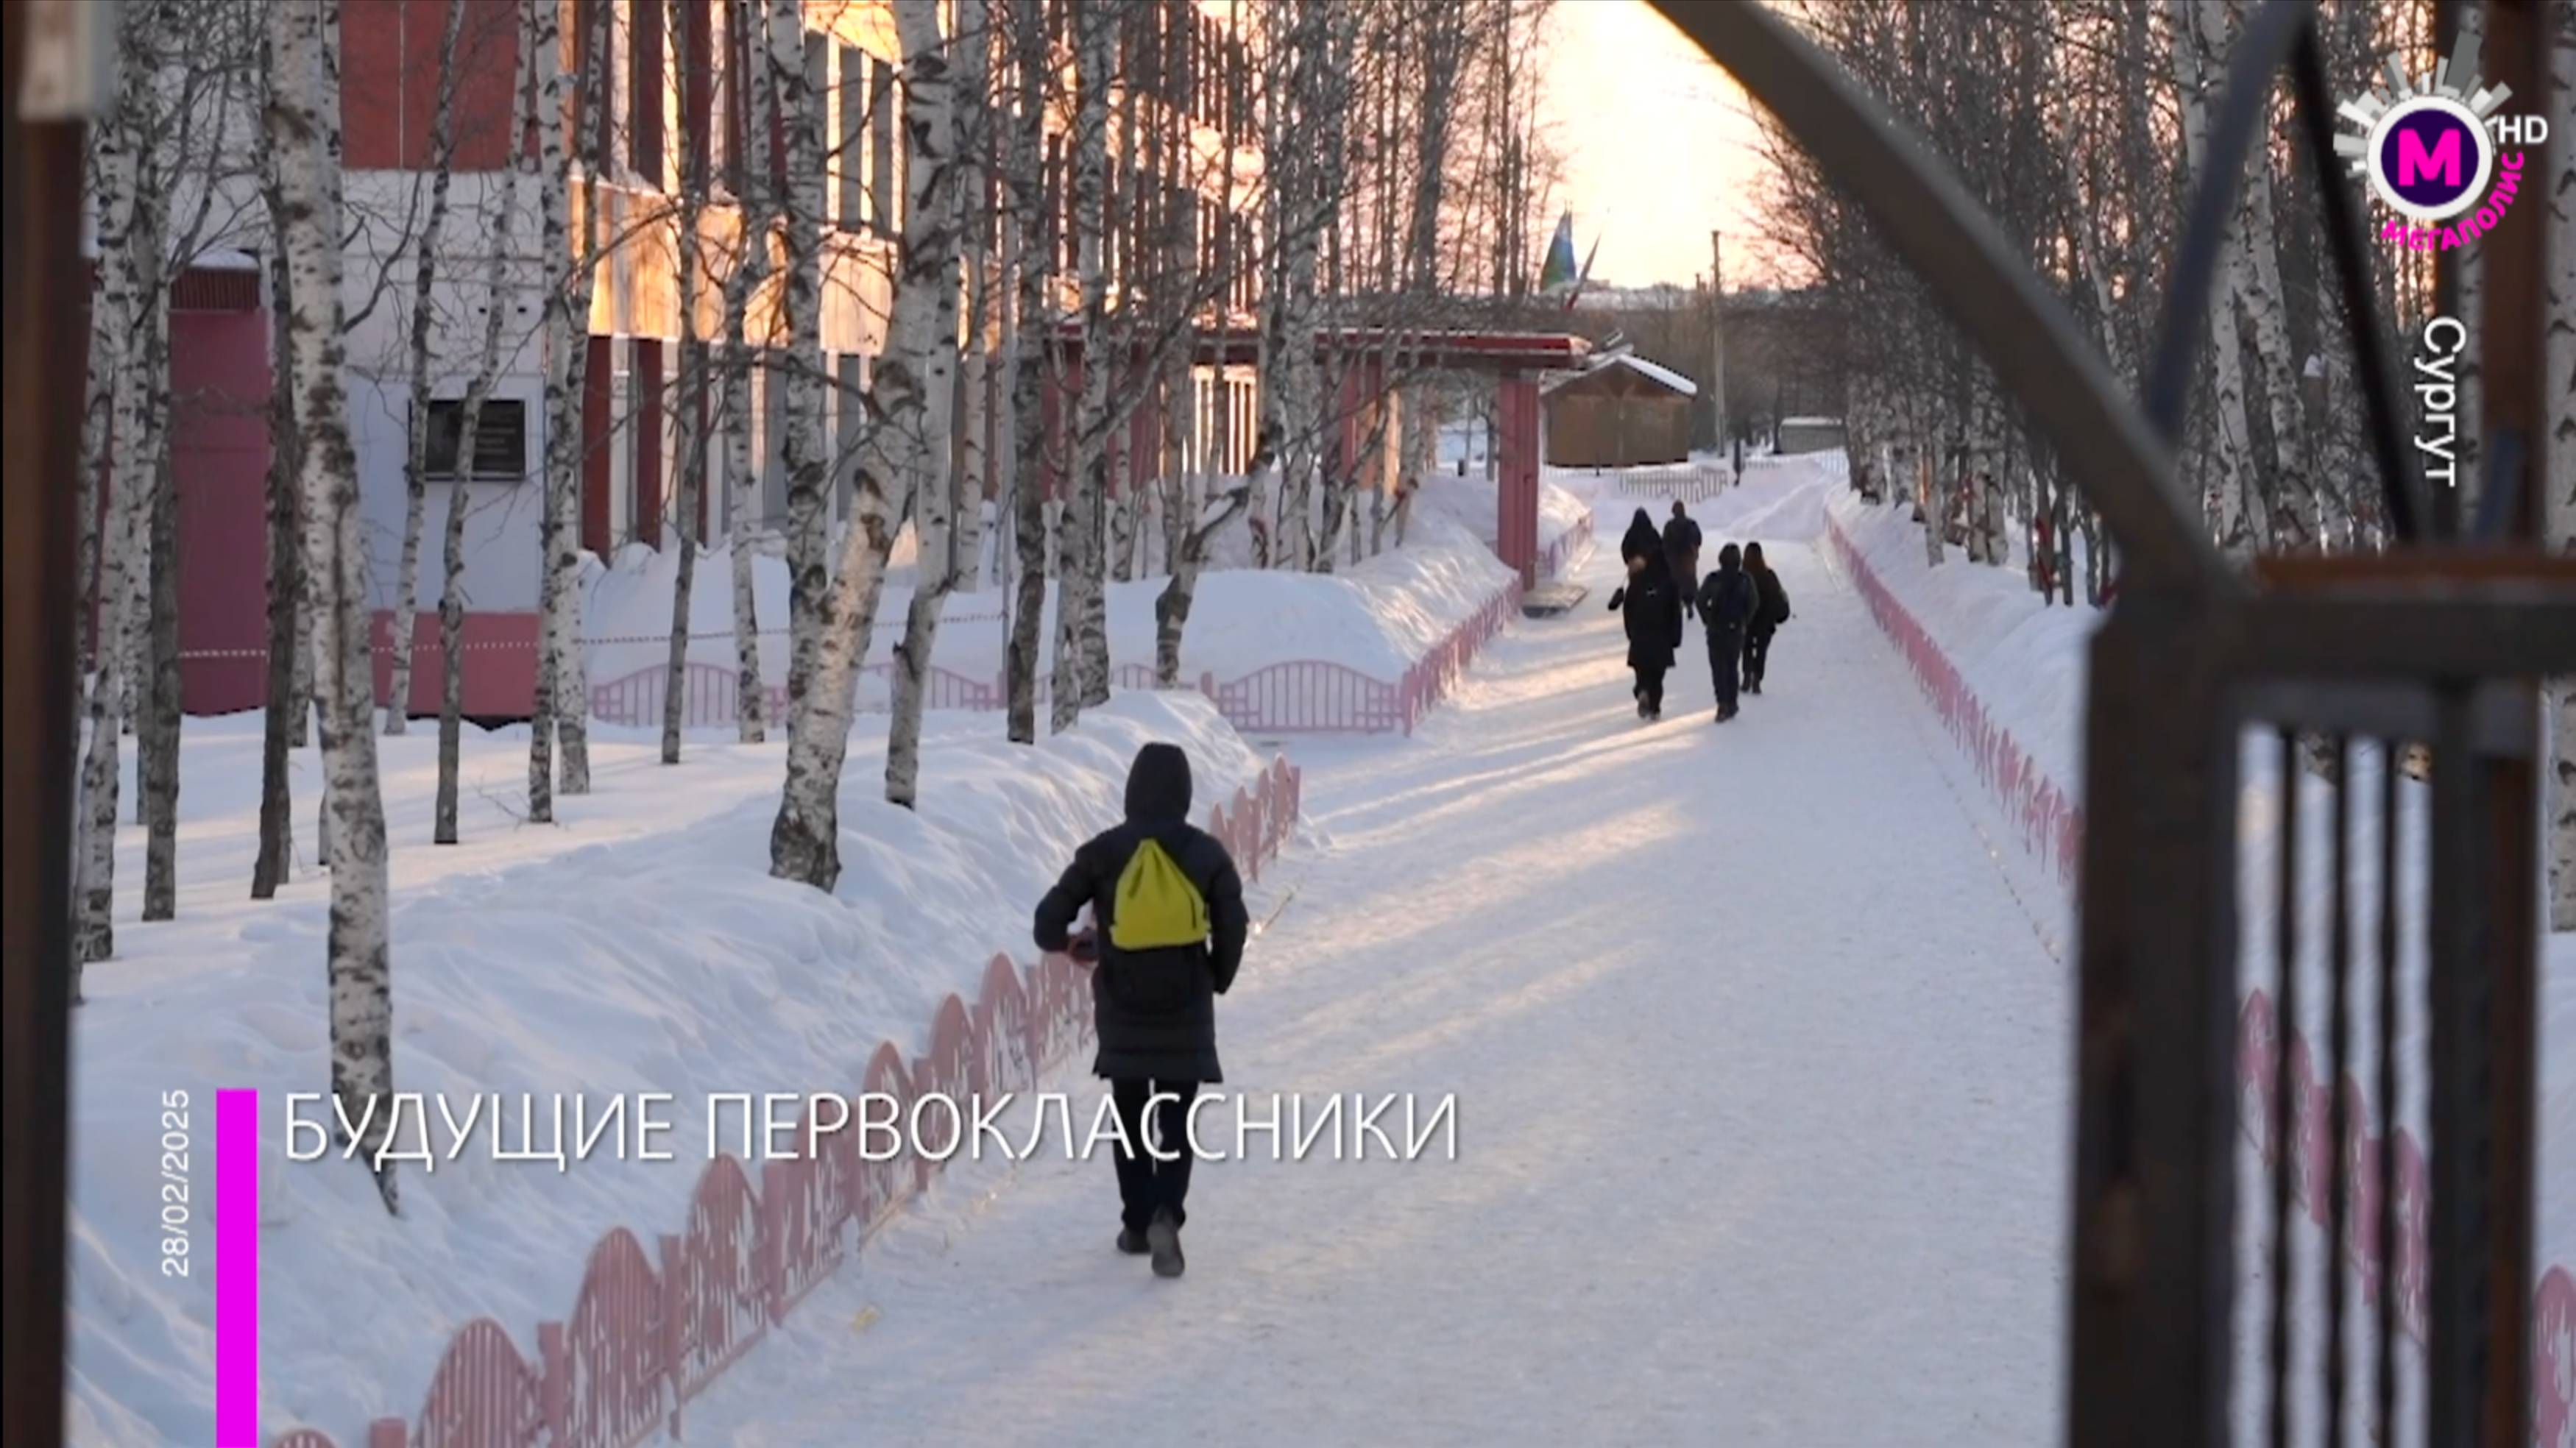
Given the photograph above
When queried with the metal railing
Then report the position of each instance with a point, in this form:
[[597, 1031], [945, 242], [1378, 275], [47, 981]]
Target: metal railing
[[2344, 663]]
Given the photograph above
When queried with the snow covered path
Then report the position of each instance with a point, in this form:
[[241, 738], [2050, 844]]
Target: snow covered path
[[1762, 1102]]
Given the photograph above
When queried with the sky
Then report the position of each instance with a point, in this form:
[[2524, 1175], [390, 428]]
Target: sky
[[1660, 147]]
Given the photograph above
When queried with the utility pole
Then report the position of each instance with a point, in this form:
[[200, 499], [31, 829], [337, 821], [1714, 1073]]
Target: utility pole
[[60, 68], [1717, 336]]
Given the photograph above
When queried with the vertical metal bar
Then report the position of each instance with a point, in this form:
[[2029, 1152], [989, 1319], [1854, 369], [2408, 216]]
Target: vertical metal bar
[[2516, 388], [2384, 1168], [44, 287], [2154, 1274], [2458, 1146], [2285, 947], [2338, 1050]]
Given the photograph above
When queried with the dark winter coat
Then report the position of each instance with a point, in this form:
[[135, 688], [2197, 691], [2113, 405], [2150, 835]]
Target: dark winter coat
[[1155, 1010], [1728, 599], [1650, 607], [1774, 607], [1681, 547], [1641, 540]]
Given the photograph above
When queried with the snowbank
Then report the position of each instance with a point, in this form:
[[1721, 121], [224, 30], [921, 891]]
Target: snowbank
[[638, 945], [1468, 504], [1378, 616], [2007, 673]]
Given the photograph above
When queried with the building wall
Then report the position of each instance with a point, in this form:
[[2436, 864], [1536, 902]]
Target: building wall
[[1594, 431], [219, 456]]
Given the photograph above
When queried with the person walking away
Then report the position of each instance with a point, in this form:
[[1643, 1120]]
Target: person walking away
[[1681, 550], [1650, 608], [1167, 933], [1771, 609], [1640, 540], [1728, 599]]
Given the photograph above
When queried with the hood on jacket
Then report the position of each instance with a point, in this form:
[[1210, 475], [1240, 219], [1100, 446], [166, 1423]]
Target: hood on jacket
[[1158, 785], [1729, 558]]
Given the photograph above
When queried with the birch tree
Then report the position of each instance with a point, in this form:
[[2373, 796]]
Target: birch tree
[[281, 705], [808, 469], [906, 452], [562, 705], [2224, 480], [750, 267], [1086, 474], [303, 125], [133, 219], [497, 297], [690, 394], [1028, 378], [432, 238], [943, 494]]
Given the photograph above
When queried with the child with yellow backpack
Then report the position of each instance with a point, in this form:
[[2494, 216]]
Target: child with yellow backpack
[[1166, 897]]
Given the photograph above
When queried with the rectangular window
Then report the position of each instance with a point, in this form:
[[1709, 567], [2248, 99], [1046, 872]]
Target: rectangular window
[[733, 95], [500, 440], [851, 150], [818, 103], [697, 93], [881, 177], [645, 90]]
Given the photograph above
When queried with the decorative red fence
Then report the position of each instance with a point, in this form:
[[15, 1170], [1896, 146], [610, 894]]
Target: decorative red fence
[[1298, 696], [2049, 817], [2309, 1160], [1688, 482], [648, 1333], [1567, 544], [2052, 829]]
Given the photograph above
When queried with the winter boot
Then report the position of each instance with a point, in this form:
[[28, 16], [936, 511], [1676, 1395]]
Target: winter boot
[[1164, 1240], [1132, 1242]]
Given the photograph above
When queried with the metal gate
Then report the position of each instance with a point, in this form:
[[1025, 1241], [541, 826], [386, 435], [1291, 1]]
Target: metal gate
[[2346, 672]]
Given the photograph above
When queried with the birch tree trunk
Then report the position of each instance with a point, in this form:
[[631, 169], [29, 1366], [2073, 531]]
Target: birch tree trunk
[[282, 705], [1172, 605], [157, 741], [442, 152], [303, 124], [908, 451], [2230, 459], [1315, 172], [808, 468], [1028, 375], [1087, 472], [733, 404], [562, 344], [497, 296], [562, 703], [943, 490], [129, 245], [690, 398]]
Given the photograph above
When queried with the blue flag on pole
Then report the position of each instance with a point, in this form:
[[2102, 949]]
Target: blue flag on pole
[[1556, 275]]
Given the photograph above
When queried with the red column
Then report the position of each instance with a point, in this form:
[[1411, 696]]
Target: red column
[[1516, 476], [648, 442], [595, 422]]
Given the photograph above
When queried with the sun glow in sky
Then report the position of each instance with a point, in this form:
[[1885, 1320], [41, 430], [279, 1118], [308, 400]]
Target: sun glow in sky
[[1660, 147]]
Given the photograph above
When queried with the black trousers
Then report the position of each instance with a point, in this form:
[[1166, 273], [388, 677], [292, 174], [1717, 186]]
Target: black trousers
[[1757, 654], [1725, 652], [1144, 1184], [1650, 686]]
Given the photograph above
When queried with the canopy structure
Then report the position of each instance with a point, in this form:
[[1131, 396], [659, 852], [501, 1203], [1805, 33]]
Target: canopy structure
[[1625, 374], [1370, 357]]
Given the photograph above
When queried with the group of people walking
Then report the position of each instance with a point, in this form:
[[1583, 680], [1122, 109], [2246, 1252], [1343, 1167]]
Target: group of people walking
[[1739, 605]]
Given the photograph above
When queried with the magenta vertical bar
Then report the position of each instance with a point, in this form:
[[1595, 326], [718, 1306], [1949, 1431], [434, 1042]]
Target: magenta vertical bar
[[237, 1269]]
